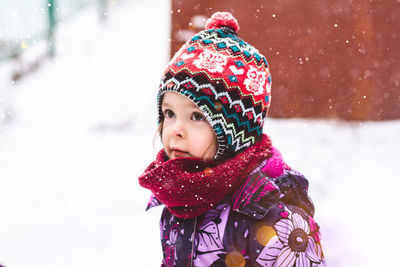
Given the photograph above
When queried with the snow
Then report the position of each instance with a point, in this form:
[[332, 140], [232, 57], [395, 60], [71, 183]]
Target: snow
[[82, 132]]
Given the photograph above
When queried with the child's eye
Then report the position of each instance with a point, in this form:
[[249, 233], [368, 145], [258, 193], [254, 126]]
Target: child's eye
[[169, 114], [197, 116]]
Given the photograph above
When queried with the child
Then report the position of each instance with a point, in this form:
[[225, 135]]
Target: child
[[229, 198]]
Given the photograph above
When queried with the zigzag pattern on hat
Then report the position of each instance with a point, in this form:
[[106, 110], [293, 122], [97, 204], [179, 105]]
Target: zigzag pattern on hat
[[233, 115], [206, 84], [233, 94], [225, 113], [238, 139]]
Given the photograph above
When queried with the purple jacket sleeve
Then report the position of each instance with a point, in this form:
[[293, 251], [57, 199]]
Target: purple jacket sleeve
[[287, 235], [293, 240]]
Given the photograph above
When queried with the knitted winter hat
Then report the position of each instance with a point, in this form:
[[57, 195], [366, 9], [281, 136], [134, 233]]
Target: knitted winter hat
[[227, 78]]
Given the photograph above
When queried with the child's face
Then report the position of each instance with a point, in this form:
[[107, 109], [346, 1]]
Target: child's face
[[185, 131]]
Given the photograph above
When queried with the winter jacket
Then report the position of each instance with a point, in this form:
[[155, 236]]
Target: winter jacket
[[268, 221]]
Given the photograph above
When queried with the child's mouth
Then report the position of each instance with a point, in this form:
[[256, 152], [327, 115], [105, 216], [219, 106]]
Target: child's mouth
[[179, 153]]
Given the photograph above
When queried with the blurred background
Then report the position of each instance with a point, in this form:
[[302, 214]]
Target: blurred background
[[78, 85], [330, 60]]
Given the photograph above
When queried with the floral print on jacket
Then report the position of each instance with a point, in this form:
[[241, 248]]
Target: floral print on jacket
[[267, 222]]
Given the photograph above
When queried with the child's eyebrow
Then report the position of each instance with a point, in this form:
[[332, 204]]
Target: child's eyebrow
[[191, 104], [164, 103]]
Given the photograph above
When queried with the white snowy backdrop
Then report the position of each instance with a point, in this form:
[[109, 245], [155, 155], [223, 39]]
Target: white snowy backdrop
[[81, 132]]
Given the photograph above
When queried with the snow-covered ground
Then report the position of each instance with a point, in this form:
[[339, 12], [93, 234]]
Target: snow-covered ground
[[83, 132]]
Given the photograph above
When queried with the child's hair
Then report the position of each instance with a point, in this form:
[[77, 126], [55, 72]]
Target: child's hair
[[227, 78], [158, 133]]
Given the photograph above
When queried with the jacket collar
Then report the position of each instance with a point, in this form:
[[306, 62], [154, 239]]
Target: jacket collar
[[272, 183]]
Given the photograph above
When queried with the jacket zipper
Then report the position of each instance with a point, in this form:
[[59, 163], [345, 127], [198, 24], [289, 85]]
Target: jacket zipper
[[193, 239]]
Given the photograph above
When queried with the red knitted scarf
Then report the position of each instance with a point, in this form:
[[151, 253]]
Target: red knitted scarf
[[189, 187]]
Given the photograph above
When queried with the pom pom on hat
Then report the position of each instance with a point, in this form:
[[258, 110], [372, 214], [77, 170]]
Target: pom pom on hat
[[222, 19]]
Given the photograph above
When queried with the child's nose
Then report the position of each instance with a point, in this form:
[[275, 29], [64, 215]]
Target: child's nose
[[179, 129]]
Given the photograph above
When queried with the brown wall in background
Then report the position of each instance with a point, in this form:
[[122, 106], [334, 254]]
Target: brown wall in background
[[329, 59]]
